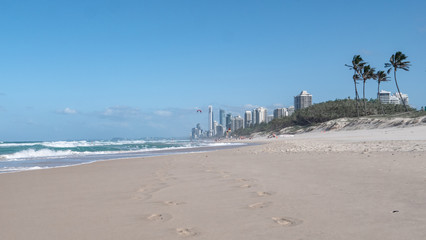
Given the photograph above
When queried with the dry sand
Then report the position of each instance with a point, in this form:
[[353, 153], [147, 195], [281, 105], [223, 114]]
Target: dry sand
[[325, 185]]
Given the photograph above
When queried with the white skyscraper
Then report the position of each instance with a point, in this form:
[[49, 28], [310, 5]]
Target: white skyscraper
[[210, 121], [248, 119], [259, 115], [237, 123]]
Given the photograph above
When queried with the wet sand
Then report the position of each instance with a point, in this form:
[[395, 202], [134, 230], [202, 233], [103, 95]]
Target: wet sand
[[364, 184]]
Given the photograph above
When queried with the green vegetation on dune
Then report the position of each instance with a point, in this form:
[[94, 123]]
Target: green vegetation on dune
[[326, 111], [347, 108]]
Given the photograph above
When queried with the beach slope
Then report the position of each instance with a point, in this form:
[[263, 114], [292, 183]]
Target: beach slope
[[363, 184]]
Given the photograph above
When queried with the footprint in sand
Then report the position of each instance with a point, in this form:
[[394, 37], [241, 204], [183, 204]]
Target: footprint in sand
[[246, 186], [286, 222], [264, 194], [171, 203], [244, 180], [260, 205], [186, 232], [161, 217]]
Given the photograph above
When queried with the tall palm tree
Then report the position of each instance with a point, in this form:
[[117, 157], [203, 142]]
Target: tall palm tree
[[381, 76], [397, 61], [357, 64], [366, 73]]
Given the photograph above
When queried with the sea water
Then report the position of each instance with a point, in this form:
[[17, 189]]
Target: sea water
[[23, 156]]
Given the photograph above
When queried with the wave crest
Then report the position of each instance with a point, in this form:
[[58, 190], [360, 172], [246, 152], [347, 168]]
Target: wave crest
[[31, 153]]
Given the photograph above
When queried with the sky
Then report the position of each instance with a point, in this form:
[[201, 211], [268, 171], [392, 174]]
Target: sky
[[102, 69]]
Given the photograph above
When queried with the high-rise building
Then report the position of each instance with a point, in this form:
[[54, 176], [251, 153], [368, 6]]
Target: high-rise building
[[222, 117], [259, 115], [290, 110], [228, 121], [210, 121], [215, 124], [197, 132], [269, 118], [248, 119], [303, 100], [220, 131], [280, 113], [237, 123]]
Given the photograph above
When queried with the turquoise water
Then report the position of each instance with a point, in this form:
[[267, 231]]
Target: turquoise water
[[22, 156]]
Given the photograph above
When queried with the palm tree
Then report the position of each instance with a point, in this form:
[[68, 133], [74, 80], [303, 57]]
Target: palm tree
[[357, 64], [366, 73], [397, 61], [381, 77]]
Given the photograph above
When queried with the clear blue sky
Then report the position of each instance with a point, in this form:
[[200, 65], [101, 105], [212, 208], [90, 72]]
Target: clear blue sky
[[103, 69]]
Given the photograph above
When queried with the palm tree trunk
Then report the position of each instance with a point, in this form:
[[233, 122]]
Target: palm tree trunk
[[363, 98], [378, 97], [356, 99], [400, 95]]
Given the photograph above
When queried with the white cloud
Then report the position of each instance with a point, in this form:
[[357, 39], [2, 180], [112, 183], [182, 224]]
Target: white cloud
[[67, 111], [250, 106], [120, 112], [163, 113]]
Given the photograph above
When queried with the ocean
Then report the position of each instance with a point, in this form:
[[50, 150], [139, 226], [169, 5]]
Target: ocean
[[24, 156]]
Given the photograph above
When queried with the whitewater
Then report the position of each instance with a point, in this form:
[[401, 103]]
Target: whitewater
[[24, 156]]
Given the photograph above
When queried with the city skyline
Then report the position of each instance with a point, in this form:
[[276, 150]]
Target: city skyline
[[106, 69], [229, 123]]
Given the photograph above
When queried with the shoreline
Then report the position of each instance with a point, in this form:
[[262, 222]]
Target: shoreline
[[253, 192], [91, 158]]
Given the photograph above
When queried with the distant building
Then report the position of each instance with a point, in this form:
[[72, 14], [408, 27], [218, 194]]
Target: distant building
[[385, 97], [237, 123], [215, 124], [222, 117], [248, 119], [404, 98], [269, 118], [228, 121], [259, 115], [303, 100], [210, 121], [280, 113], [197, 132], [220, 131], [290, 110]]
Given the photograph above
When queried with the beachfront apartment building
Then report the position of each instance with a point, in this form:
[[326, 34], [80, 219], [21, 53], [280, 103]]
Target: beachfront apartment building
[[210, 121], [303, 100], [280, 112], [386, 97], [228, 121], [237, 123], [222, 117], [248, 119], [259, 115]]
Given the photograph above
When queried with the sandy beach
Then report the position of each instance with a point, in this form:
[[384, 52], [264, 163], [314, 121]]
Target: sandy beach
[[363, 184]]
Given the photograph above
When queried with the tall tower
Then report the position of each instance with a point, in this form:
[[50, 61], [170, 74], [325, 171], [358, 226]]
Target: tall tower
[[247, 119], [303, 100], [259, 115], [222, 117], [210, 120]]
